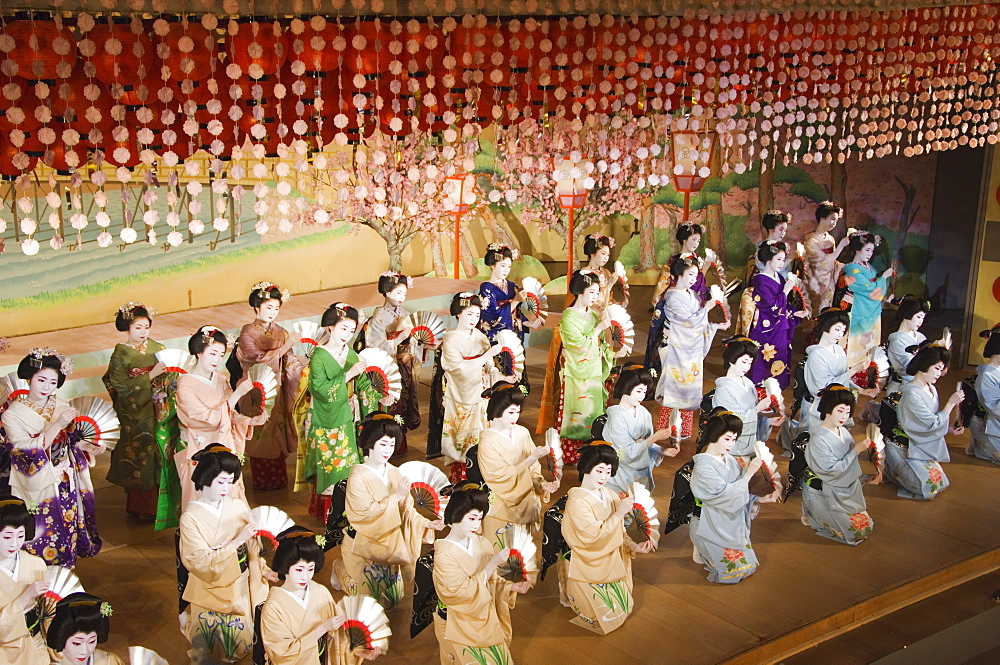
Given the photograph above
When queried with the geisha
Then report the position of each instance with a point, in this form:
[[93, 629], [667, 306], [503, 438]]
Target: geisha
[[821, 251], [737, 394], [614, 286], [868, 290], [984, 426], [22, 582], [81, 622], [499, 296], [910, 315]]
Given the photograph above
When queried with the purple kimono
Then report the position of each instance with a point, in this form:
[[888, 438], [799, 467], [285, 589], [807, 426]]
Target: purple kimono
[[773, 326]]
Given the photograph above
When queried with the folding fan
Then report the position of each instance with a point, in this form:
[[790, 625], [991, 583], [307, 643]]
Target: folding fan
[[521, 561], [382, 371], [310, 335], [96, 421], [676, 426], [620, 270], [265, 386], [144, 656], [642, 523], [718, 295], [945, 340], [428, 329], [510, 360], [554, 443], [270, 522], [876, 448], [880, 363], [62, 582], [176, 360], [766, 481], [534, 301], [730, 287], [426, 483], [14, 387], [367, 626], [621, 335], [773, 390]]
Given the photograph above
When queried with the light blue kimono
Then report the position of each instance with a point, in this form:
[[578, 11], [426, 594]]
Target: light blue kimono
[[917, 470], [739, 396], [824, 365], [899, 358], [636, 458], [721, 536], [868, 288], [986, 434], [838, 511]]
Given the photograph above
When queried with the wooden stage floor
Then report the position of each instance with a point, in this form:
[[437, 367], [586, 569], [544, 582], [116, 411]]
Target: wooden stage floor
[[679, 618]]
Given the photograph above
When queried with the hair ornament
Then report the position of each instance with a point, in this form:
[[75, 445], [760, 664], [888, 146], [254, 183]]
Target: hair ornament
[[32, 507], [215, 448], [832, 388], [36, 355], [653, 373], [321, 540], [599, 237], [468, 486], [986, 334], [263, 289], [106, 610], [465, 298], [399, 420], [599, 442], [242, 458], [399, 277], [127, 310], [10, 502], [523, 388], [301, 534]]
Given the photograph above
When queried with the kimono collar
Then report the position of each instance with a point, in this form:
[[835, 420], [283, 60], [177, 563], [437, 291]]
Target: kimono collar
[[303, 602], [17, 567]]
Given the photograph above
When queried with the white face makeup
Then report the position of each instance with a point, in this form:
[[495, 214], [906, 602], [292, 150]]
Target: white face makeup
[[299, 575], [79, 647], [11, 540], [268, 311], [42, 384], [638, 393], [469, 317], [501, 269], [600, 474], [469, 524], [917, 320], [511, 414], [383, 449], [865, 253], [601, 257], [742, 364], [692, 243], [220, 488], [936, 371], [138, 330], [779, 231], [343, 331], [840, 414], [590, 295], [777, 264], [210, 359], [724, 443], [688, 277], [397, 296]]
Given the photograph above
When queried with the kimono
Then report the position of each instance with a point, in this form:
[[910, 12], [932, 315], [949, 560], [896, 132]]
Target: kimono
[[837, 511], [58, 480], [825, 364], [739, 395], [599, 574], [387, 536], [821, 269], [680, 385], [135, 461], [285, 620], [278, 438], [375, 333], [614, 291], [515, 487], [868, 288], [899, 358], [917, 469], [721, 534], [477, 628], [21, 640], [985, 431], [225, 584], [330, 449], [666, 280], [627, 432], [100, 657], [772, 327], [499, 312]]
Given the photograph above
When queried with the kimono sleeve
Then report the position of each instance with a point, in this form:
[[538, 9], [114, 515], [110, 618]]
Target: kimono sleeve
[[822, 456], [681, 311], [194, 410], [210, 565], [711, 488], [631, 452], [728, 396], [376, 517], [326, 377], [250, 347], [920, 417], [860, 284], [988, 388]]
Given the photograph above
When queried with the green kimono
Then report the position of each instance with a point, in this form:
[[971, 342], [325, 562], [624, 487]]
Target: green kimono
[[586, 363]]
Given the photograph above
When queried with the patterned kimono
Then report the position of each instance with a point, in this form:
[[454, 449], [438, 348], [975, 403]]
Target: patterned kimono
[[515, 486], [899, 358], [986, 432], [868, 288], [135, 461], [739, 395], [659, 330], [680, 385], [478, 628], [599, 574], [57, 479], [225, 583], [467, 373], [285, 621], [387, 536], [721, 534], [821, 269], [825, 364], [627, 432], [837, 511], [917, 469], [614, 290], [666, 280], [499, 311], [772, 327], [278, 438], [21, 640]]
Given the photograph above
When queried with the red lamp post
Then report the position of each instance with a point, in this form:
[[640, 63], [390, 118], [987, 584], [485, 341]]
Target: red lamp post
[[692, 159], [571, 190], [459, 199]]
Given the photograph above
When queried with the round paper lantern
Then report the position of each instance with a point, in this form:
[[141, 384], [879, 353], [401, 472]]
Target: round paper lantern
[[8, 151], [318, 52], [258, 48], [55, 157], [121, 153], [367, 50], [41, 49], [190, 50], [119, 53]]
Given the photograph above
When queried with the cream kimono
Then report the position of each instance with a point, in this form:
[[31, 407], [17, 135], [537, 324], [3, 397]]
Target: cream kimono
[[386, 544], [599, 576], [226, 583], [516, 486], [467, 374], [17, 644], [285, 620], [478, 628]]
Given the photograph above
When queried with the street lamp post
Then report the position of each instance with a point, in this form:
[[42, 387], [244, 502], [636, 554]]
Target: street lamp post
[[460, 198]]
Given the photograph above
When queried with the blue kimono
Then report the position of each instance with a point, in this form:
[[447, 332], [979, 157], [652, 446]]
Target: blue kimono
[[721, 534], [868, 288], [739, 396], [899, 358], [636, 459], [986, 433], [498, 311], [824, 365], [917, 469], [838, 511]]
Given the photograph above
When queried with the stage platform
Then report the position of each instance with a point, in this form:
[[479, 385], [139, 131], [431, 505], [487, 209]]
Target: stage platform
[[807, 587]]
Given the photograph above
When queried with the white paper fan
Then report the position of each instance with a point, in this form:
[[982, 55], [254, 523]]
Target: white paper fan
[[14, 387], [534, 302], [945, 340], [62, 582], [96, 421], [270, 522], [426, 483], [718, 295], [144, 656], [880, 359], [554, 443], [676, 425], [773, 390], [367, 626], [510, 360], [642, 522], [769, 466], [176, 360], [383, 372], [428, 329], [522, 560], [310, 335], [620, 270], [265, 383], [876, 447], [621, 334]]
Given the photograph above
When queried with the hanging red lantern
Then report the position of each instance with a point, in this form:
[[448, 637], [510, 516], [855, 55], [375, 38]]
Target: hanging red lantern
[[191, 50], [120, 153], [367, 50], [17, 106], [42, 50], [55, 157], [318, 52], [258, 48], [7, 153], [119, 53]]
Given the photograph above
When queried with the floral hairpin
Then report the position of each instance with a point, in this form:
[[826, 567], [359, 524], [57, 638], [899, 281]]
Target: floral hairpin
[[37, 354], [263, 289], [399, 420], [106, 610], [321, 540], [128, 309], [523, 388]]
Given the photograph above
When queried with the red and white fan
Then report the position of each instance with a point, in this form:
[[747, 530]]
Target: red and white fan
[[554, 443], [176, 361], [383, 372], [642, 523], [310, 335], [766, 483], [945, 340], [534, 302], [96, 421], [270, 522], [62, 582], [144, 656], [426, 483], [717, 294], [367, 626], [428, 329], [876, 451], [14, 387], [621, 332], [510, 360], [773, 390], [522, 560], [265, 386]]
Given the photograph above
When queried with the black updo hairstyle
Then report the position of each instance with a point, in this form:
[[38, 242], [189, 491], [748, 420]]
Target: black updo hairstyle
[[594, 242], [387, 283], [374, 427], [336, 313], [679, 265], [830, 317], [259, 296], [596, 452], [769, 250], [630, 377], [833, 396], [462, 301], [496, 254], [736, 348], [827, 208], [502, 396], [772, 218], [856, 244], [685, 231], [581, 280], [31, 365], [296, 544], [926, 357], [910, 306], [719, 422], [463, 501], [992, 337], [212, 461], [14, 513], [204, 338], [124, 319], [78, 612]]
